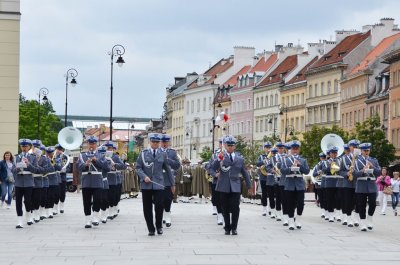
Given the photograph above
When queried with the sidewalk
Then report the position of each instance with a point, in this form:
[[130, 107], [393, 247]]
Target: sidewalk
[[194, 238]]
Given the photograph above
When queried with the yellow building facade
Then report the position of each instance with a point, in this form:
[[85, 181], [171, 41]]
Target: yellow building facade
[[9, 74]]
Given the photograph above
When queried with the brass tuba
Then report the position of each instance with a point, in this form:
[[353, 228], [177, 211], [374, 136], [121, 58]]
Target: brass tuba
[[328, 141]]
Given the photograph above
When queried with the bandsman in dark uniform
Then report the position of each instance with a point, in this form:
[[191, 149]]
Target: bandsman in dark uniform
[[365, 172], [230, 166], [331, 169], [174, 163], [117, 166], [215, 198], [280, 158], [36, 150], [26, 164], [348, 187], [263, 161], [273, 191], [294, 167], [63, 167], [92, 166], [320, 178], [150, 166]]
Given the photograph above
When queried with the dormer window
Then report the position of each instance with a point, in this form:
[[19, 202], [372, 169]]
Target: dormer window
[[340, 54]]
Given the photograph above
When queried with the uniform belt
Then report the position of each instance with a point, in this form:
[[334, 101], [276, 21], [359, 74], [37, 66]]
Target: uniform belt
[[25, 173], [334, 177], [294, 176], [37, 175], [114, 172], [91, 173], [366, 178], [104, 179], [51, 174]]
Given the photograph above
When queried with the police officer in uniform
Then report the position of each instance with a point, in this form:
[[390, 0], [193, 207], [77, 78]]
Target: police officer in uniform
[[280, 158], [263, 161], [174, 163], [320, 184], [215, 198], [293, 167], [92, 166], [348, 187], [273, 190], [332, 177], [101, 150], [150, 166], [230, 166], [365, 172], [63, 167], [37, 179], [26, 164], [112, 177]]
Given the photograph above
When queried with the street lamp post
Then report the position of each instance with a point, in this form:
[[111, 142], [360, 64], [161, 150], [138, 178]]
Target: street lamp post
[[43, 92], [284, 108], [117, 50], [271, 120], [71, 73], [189, 134], [129, 129], [218, 98]]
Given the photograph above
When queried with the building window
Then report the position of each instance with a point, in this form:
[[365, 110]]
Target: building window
[[329, 87], [292, 100], [316, 90], [335, 117], [371, 111], [276, 99], [297, 99], [336, 86], [198, 105], [204, 130], [209, 103], [266, 101], [257, 103], [187, 107], [322, 88], [385, 111], [302, 125], [302, 98], [309, 116], [262, 102], [309, 91], [242, 125], [192, 107], [256, 126], [248, 104], [351, 119], [328, 113], [204, 104], [271, 100]]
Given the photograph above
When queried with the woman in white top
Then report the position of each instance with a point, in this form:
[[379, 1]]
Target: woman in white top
[[396, 188]]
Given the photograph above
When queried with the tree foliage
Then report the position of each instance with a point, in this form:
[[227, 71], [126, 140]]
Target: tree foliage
[[132, 156], [370, 131], [50, 124], [206, 153], [311, 144]]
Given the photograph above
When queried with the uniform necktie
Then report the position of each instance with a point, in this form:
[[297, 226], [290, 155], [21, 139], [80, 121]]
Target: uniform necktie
[[230, 156], [154, 153]]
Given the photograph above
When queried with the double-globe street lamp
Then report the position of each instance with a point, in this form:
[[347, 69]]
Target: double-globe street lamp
[[117, 50], [271, 120], [283, 108], [43, 92], [71, 74]]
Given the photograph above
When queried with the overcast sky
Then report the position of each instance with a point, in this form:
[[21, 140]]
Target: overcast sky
[[163, 39]]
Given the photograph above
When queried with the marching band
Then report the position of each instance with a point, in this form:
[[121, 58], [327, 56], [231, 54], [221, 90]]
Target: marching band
[[344, 180]]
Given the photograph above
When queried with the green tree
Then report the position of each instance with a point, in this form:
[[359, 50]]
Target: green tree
[[311, 144], [206, 153], [132, 156], [370, 131], [251, 152], [241, 144], [50, 124]]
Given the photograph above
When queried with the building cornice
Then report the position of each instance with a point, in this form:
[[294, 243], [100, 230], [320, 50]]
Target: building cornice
[[326, 68]]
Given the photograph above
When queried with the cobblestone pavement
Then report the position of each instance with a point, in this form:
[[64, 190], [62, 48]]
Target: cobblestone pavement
[[195, 238]]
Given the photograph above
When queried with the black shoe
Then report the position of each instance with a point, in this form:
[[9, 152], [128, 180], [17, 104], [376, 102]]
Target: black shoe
[[159, 231], [110, 217], [227, 232], [151, 233], [30, 223], [42, 217], [168, 224], [36, 221], [163, 221], [88, 226], [18, 226], [50, 217], [95, 223], [104, 221], [234, 232], [61, 211]]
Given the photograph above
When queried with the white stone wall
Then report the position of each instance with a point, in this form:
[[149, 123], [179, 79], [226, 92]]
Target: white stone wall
[[9, 74]]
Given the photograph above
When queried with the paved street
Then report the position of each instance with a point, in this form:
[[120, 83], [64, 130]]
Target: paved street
[[195, 238]]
